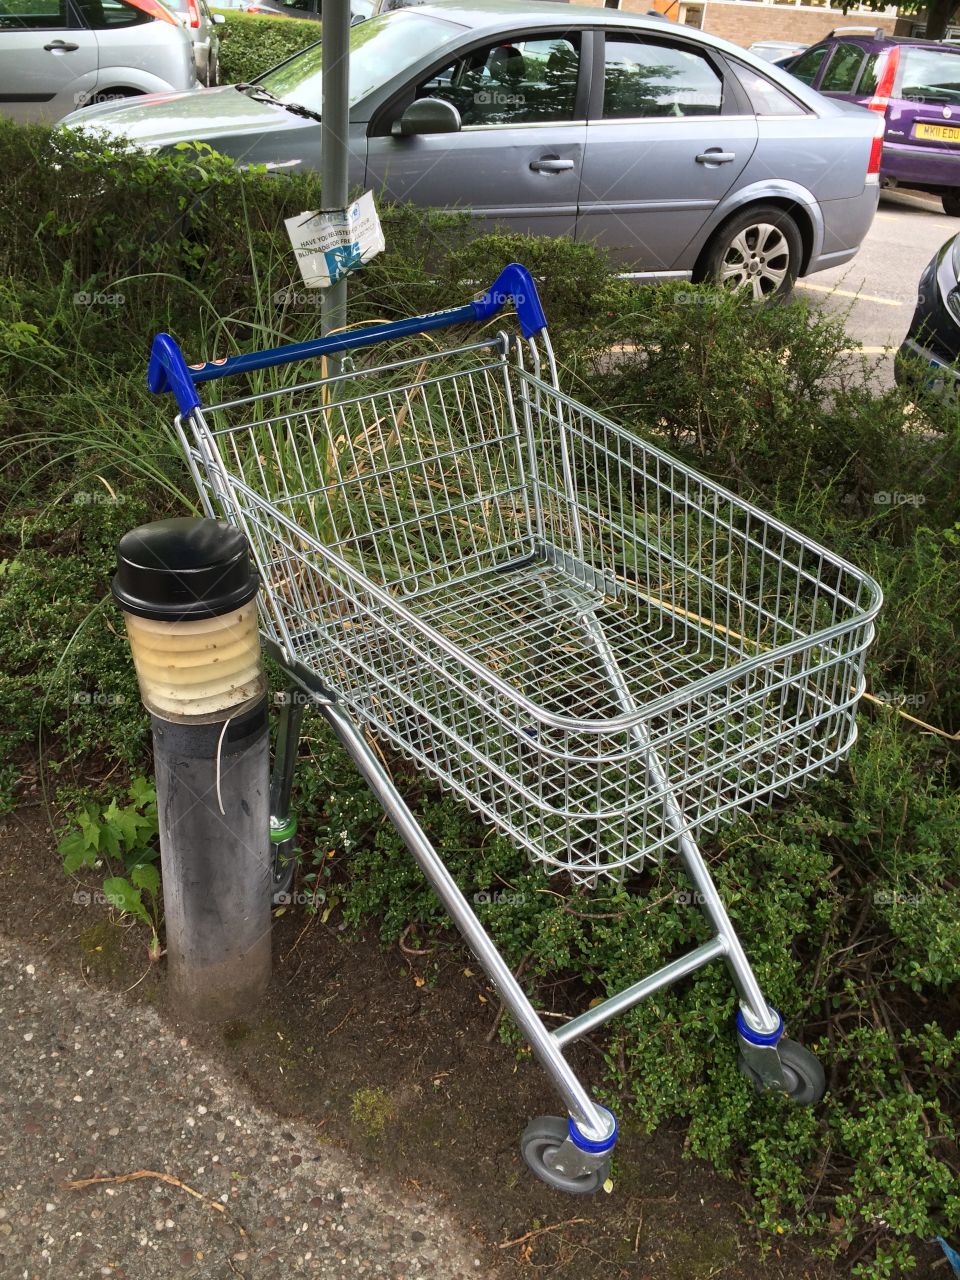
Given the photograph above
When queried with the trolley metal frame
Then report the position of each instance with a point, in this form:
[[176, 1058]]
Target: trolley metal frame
[[722, 652]]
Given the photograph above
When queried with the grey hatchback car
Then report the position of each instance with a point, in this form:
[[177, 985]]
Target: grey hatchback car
[[683, 155], [56, 54]]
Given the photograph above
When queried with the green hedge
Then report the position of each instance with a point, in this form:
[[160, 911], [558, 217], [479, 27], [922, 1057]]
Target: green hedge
[[251, 44], [848, 893]]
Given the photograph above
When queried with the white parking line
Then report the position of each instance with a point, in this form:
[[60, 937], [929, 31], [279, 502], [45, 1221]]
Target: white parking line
[[849, 293]]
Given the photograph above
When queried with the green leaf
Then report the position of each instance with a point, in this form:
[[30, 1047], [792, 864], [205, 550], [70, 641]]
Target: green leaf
[[121, 894], [90, 826], [76, 853], [147, 877], [129, 826], [142, 792], [109, 841]]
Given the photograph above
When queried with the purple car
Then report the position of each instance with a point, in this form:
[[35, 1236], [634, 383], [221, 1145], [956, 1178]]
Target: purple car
[[914, 84]]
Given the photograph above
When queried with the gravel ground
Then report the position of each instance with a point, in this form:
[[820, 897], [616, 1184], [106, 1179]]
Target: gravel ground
[[93, 1086]]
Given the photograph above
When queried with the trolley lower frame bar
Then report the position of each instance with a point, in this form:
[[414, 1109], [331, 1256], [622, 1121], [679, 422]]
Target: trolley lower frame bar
[[591, 1125]]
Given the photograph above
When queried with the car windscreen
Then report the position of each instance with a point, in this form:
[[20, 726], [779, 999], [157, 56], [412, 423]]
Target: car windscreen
[[929, 75], [380, 49]]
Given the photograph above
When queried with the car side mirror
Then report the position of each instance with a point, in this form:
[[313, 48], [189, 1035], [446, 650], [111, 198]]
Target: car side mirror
[[219, 19], [427, 115]]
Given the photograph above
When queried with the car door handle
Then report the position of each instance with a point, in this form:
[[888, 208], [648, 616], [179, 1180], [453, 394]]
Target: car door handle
[[551, 164], [714, 155], [60, 46]]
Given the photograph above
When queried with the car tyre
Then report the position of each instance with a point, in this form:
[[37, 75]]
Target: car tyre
[[757, 251], [950, 199]]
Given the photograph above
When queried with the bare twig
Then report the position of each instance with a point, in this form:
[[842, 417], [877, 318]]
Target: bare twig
[[412, 951], [138, 1174], [541, 1231], [491, 1034]]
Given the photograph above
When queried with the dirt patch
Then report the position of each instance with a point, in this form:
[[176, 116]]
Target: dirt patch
[[391, 1058]]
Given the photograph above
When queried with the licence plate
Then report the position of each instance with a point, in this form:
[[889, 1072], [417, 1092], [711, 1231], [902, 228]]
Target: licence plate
[[937, 132]]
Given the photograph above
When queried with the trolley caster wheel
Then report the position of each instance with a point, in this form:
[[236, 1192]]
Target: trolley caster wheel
[[806, 1083], [546, 1135]]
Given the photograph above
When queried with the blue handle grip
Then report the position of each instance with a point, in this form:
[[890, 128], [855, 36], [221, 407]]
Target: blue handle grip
[[168, 371]]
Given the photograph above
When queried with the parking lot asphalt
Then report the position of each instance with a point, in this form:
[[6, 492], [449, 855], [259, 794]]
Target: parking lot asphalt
[[879, 287]]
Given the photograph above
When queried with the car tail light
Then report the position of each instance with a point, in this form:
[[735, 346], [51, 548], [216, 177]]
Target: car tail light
[[194, 13], [876, 151], [155, 9], [888, 71]]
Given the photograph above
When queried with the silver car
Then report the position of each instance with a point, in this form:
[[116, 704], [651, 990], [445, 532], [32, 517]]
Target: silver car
[[201, 26], [681, 154], [56, 55]]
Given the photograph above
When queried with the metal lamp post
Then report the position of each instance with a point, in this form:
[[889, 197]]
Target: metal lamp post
[[334, 139]]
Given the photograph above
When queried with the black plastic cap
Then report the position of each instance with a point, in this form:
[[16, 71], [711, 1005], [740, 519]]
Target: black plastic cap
[[178, 570]]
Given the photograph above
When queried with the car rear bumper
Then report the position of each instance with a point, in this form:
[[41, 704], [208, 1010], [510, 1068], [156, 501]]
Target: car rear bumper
[[920, 166], [845, 223]]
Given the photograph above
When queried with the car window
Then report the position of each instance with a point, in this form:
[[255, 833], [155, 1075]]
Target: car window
[[300, 6], [870, 75], [106, 15], [520, 81], [805, 67], [929, 75], [766, 98], [32, 15], [841, 75], [380, 49], [646, 78]]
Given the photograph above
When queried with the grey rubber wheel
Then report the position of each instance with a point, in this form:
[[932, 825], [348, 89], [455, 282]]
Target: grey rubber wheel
[[950, 200], [757, 253], [806, 1083], [540, 1138]]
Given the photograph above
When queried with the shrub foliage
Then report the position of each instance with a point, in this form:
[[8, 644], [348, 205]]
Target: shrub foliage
[[251, 44], [847, 896]]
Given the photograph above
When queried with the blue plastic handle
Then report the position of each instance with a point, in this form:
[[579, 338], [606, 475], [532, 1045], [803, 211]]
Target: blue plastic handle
[[168, 371]]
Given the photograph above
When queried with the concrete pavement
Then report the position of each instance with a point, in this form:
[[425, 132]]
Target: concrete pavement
[[879, 287], [94, 1087]]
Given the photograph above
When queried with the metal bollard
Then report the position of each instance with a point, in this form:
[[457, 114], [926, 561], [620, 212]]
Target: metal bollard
[[188, 592]]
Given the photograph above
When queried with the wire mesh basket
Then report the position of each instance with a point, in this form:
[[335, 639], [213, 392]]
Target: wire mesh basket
[[554, 618]]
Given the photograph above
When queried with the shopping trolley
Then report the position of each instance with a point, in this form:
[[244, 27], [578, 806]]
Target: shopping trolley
[[599, 650]]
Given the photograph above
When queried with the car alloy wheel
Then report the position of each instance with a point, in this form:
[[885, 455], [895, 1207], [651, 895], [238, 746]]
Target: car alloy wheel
[[758, 258], [757, 253]]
